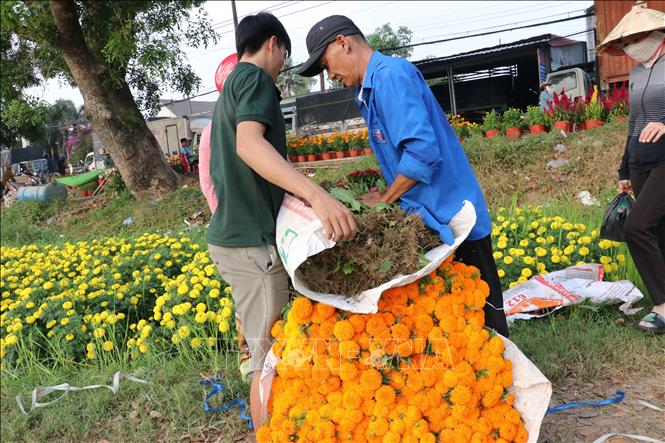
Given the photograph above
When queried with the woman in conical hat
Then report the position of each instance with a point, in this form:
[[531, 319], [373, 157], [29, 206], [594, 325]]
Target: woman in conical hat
[[640, 35]]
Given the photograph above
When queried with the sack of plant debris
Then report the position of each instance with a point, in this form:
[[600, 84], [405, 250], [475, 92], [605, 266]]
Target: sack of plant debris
[[361, 269]]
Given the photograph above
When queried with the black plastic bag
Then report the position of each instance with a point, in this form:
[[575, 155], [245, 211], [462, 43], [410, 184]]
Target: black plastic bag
[[615, 216]]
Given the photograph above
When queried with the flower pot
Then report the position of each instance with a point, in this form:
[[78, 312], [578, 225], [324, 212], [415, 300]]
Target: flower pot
[[354, 152], [563, 125], [319, 157], [311, 157], [301, 158], [327, 155], [340, 154], [593, 123], [513, 132], [293, 158], [491, 133], [537, 129], [368, 151]]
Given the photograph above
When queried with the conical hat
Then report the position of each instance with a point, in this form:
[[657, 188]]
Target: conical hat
[[637, 21]]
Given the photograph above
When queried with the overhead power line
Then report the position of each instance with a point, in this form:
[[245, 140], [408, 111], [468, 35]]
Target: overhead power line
[[443, 41]]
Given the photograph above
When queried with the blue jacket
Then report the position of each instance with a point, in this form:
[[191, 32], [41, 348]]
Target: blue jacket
[[411, 136]]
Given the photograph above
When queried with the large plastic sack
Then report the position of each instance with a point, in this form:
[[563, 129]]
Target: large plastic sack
[[300, 235], [615, 216], [532, 390], [543, 294]]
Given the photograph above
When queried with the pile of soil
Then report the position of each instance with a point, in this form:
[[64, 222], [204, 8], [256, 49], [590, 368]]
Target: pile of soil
[[388, 243]]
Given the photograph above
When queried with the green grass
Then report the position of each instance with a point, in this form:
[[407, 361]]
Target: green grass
[[586, 343], [98, 414], [30, 222]]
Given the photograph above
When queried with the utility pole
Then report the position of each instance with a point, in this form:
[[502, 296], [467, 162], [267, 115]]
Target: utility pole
[[235, 15], [322, 81]]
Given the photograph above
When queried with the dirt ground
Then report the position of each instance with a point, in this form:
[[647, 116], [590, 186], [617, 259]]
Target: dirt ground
[[587, 423]]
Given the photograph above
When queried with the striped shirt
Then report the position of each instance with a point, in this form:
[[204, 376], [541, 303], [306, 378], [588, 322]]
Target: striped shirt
[[647, 104]]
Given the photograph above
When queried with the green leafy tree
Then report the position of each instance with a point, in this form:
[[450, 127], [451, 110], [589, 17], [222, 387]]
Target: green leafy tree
[[24, 117], [386, 37], [120, 54], [290, 83], [59, 115]]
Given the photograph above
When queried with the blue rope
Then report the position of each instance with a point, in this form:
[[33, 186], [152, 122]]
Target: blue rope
[[218, 388], [577, 404]]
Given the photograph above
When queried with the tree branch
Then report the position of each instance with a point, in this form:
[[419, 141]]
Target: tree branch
[[69, 38]]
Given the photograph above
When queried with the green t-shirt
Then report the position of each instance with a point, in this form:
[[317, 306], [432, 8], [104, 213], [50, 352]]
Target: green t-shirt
[[248, 203]]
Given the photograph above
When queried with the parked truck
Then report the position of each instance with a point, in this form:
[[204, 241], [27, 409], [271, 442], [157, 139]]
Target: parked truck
[[169, 131]]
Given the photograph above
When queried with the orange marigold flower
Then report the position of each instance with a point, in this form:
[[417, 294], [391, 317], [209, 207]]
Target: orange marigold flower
[[322, 312], [343, 330], [385, 395], [348, 371], [460, 395], [301, 309], [371, 379], [263, 435], [349, 349]]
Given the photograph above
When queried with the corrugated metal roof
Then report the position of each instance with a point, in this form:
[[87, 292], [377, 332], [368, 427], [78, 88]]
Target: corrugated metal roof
[[534, 42]]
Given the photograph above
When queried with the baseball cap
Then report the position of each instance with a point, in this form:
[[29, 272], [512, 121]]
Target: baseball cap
[[320, 36]]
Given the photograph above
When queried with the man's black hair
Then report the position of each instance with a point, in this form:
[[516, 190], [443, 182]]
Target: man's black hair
[[254, 30], [183, 140]]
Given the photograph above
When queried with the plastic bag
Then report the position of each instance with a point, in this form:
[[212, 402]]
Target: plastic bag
[[300, 235], [615, 216]]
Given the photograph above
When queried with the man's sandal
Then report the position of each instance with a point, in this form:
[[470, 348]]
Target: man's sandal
[[657, 321]]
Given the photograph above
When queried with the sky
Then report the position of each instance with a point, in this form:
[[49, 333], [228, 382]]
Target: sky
[[429, 20]]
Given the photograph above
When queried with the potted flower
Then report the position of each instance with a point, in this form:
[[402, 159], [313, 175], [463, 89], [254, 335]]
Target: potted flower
[[491, 123], [536, 119], [560, 110], [364, 140], [355, 144], [512, 120], [594, 110], [335, 141], [301, 155], [325, 148], [616, 103]]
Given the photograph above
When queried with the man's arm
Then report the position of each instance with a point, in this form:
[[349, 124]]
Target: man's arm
[[262, 157], [390, 195]]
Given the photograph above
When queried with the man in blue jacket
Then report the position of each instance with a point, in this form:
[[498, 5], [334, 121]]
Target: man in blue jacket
[[424, 165]]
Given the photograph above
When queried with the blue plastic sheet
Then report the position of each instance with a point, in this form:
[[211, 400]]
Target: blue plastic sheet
[[218, 388], [577, 404]]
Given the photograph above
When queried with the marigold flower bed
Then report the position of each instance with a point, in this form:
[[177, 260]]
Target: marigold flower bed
[[422, 369], [100, 299]]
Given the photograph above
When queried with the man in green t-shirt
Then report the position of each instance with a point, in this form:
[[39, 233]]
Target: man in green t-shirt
[[250, 173]]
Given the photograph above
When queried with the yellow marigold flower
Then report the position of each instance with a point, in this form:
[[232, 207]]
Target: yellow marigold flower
[[201, 317], [223, 326], [508, 260], [107, 346]]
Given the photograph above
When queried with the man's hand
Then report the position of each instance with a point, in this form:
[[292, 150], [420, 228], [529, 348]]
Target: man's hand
[[337, 220], [624, 186], [372, 198], [652, 132]]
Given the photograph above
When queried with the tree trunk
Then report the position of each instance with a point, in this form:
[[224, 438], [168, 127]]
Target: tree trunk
[[113, 111]]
